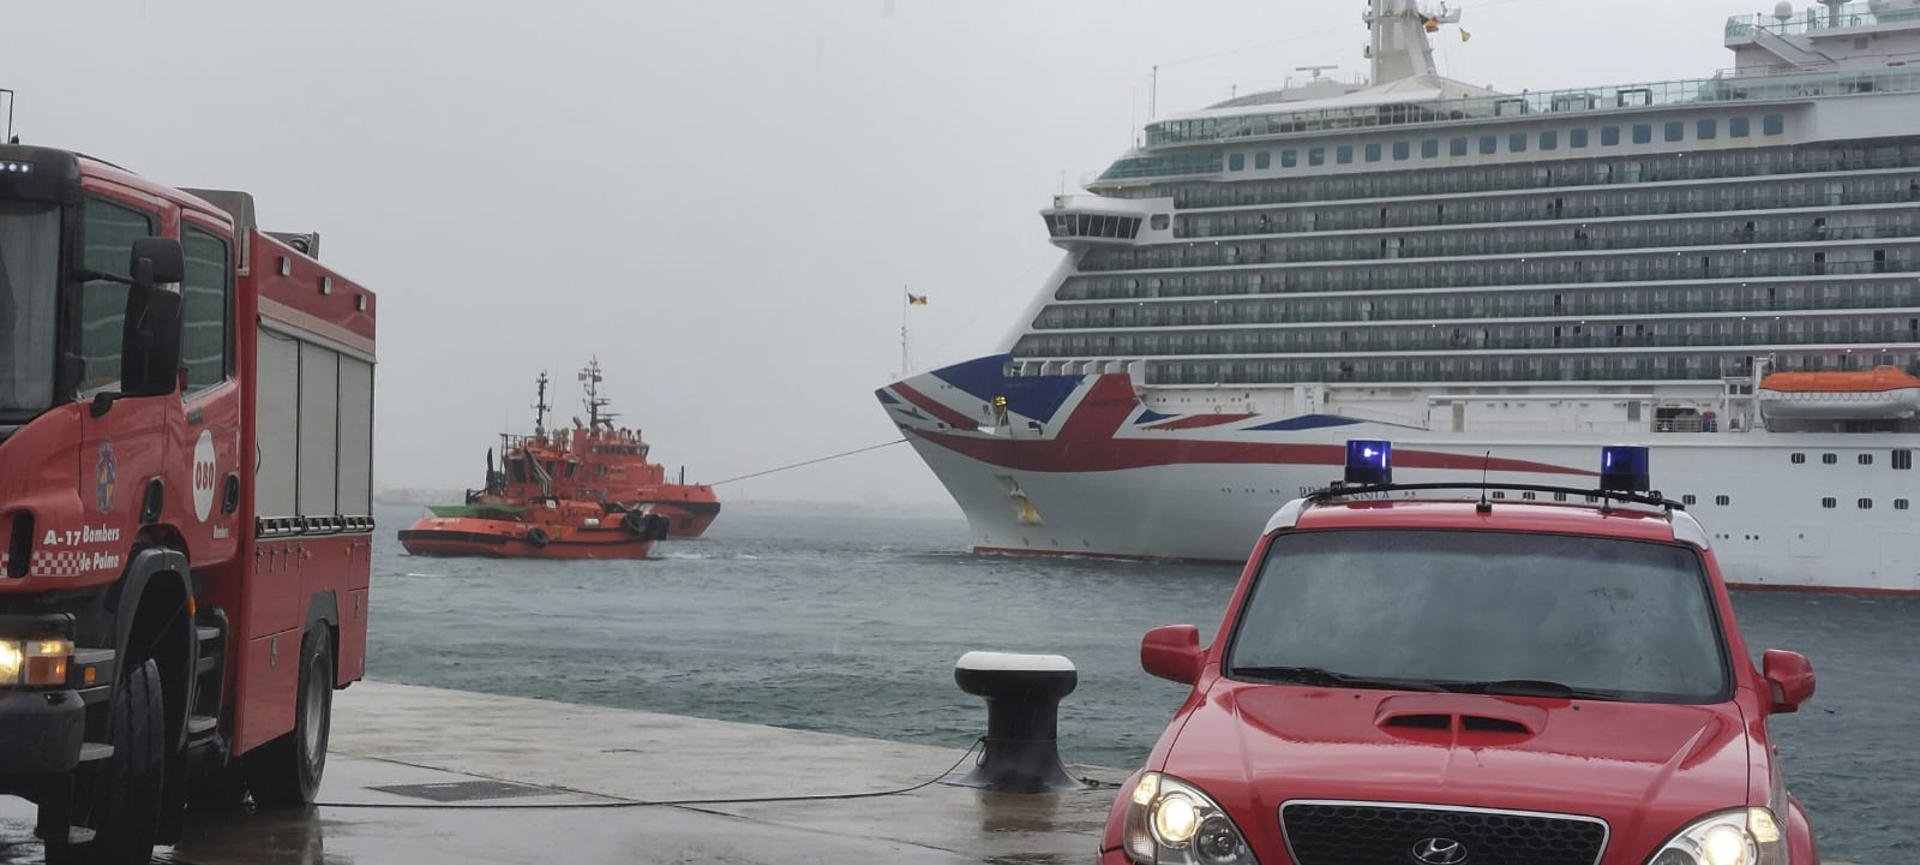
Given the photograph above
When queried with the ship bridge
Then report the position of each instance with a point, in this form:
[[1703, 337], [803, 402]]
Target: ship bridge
[[1833, 35]]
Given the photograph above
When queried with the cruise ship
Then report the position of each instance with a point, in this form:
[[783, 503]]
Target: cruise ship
[[1725, 269]]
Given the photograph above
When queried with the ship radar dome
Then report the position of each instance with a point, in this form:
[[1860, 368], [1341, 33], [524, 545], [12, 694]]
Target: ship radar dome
[[1783, 10]]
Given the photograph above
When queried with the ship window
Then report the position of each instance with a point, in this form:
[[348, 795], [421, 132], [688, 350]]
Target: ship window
[[1489, 145], [1430, 148], [1723, 500], [1705, 129], [1864, 504], [1263, 159], [1499, 494], [1289, 159], [1559, 497], [1343, 154], [1373, 152], [1642, 133], [1676, 130], [1237, 162], [1899, 504], [1688, 499], [1576, 138], [1902, 459], [1797, 459], [1866, 459], [1773, 124], [1517, 142], [1609, 136], [1458, 146], [1402, 150], [1739, 127], [1550, 140], [1830, 459], [1160, 222], [1317, 156], [1529, 496]]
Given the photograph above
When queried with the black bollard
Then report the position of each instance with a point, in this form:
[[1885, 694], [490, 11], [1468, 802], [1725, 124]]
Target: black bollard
[[1023, 692]]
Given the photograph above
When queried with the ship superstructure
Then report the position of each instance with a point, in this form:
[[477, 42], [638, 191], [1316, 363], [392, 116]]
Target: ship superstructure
[[1498, 279]]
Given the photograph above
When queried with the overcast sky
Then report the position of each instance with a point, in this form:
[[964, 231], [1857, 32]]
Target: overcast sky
[[722, 199]]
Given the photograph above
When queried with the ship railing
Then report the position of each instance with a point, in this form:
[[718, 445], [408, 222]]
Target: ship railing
[[1791, 86], [1814, 20]]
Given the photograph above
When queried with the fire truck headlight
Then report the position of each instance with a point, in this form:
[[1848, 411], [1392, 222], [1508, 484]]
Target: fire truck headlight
[[34, 663]]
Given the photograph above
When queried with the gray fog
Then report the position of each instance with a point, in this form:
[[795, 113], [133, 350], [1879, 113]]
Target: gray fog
[[723, 200]]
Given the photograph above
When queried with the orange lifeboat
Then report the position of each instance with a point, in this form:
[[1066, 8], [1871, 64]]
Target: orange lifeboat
[[1882, 393]]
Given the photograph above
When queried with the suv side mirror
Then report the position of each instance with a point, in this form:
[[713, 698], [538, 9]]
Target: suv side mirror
[[1173, 652], [1790, 679], [150, 351]]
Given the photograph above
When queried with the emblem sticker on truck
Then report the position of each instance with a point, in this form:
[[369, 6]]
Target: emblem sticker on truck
[[204, 471], [103, 476]]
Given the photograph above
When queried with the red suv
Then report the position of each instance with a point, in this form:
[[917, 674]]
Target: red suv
[[1407, 676]]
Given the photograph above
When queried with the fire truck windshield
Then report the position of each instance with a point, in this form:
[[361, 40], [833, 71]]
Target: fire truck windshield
[[29, 279]]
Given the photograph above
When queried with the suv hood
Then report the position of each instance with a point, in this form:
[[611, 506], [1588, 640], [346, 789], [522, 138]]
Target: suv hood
[[1644, 768]]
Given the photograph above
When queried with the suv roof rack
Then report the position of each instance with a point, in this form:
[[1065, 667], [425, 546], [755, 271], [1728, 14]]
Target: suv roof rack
[[1342, 490]]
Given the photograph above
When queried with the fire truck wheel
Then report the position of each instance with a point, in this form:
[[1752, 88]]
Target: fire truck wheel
[[286, 772], [120, 801]]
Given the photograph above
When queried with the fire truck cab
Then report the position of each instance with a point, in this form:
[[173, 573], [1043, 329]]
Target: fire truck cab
[[186, 418]]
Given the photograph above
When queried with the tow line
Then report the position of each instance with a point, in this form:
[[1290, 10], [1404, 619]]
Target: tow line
[[810, 462]]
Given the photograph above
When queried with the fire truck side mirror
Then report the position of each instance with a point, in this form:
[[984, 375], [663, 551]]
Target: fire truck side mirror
[[150, 358]]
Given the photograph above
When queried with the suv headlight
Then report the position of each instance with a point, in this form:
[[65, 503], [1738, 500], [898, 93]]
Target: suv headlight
[[1170, 822], [1750, 836]]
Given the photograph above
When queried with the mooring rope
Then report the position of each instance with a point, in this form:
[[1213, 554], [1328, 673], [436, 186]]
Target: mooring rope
[[810, 462]]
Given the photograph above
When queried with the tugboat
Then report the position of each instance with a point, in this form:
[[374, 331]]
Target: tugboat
[[537, 506], [614, 468]]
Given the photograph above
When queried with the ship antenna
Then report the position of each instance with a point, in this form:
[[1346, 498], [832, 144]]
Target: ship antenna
[[540, 407], [1484, 507]]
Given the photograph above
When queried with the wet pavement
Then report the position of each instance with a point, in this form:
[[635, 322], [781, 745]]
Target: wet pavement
[[447, 755]]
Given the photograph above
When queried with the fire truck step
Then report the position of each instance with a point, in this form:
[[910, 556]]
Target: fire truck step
[[208, 633], [207, 665], [79, 835], [199, 725], [91, 751]]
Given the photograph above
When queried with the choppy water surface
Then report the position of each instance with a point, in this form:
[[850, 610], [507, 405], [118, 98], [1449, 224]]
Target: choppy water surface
[[810, 618]]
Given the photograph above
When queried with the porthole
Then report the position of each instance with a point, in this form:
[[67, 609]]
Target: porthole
[[1866, 459], [1559, 497], [1829, 502], [1797, 459], [1723, 501], [1899, 504], [1499, 494], [1527, 495], [1688, 499], [1865, 504], [1830, 459]]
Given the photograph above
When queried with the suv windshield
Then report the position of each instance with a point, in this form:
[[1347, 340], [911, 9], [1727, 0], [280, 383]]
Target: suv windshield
[[1550, 615], [29, 274]]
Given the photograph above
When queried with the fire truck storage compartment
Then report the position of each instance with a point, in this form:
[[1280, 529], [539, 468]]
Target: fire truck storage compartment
[[314, 429]]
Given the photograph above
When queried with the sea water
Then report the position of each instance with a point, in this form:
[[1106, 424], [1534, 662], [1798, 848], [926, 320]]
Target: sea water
[[821, 618]]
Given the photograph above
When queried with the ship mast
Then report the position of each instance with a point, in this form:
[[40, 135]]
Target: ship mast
[[597, 415], [540, 407]]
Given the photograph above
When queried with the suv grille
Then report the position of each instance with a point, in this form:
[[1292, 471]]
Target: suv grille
[[1361, 833]]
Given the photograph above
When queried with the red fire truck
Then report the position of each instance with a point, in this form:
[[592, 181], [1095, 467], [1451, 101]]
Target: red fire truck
[[186, 420]]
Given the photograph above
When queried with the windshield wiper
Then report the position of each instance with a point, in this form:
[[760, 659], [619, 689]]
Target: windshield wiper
[[1530, 688], [1329, 678]]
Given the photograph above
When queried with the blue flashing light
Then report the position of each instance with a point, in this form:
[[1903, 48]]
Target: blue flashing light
[[1624, 468], [1369, 462]]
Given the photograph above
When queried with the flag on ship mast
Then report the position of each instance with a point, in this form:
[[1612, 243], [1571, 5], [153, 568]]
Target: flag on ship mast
[[916, 299]]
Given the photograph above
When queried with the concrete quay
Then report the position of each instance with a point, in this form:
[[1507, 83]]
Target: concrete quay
[[456, 751]]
